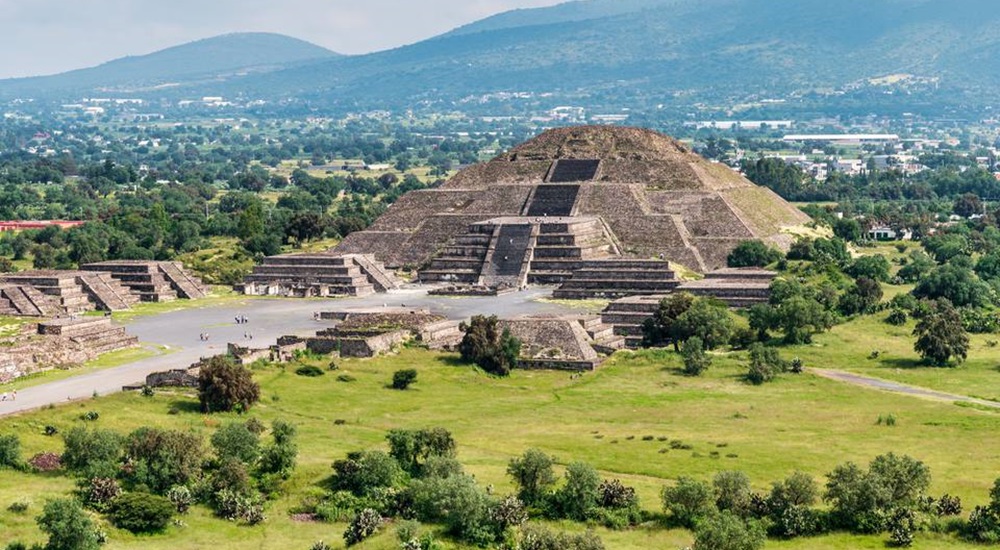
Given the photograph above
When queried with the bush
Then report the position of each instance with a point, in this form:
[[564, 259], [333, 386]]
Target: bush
[[45, 462], [902, 524], [310, 371], [484, 344], [225, 386], [10, 452], [68, 526], [696, 361], [19, 506], [161, 459], [732, 492], [92, 453], [753, 254], [533, 474], [536, 537], [688, 501], [402, 379], [100, 492], [363, 525], [896, 317], [90, 416], [364, 471], [579, 496], [181, 497], [726, 531], [765, 364], [948, 506], [141, 512], [235, 441], [246, 507]]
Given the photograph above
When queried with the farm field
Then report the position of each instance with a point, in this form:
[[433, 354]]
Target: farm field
[[636, 419]]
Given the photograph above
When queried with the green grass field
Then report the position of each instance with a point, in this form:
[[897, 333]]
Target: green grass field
[[800, 422]]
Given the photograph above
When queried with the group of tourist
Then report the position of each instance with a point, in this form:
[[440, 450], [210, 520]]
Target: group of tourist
[[12, 395]]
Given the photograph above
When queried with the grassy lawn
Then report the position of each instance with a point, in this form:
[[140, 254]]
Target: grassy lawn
[[621, 418], [849, 347], [107, 360], [218, 296]]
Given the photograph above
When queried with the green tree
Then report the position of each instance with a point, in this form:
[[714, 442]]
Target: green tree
[[696, 361], [658, 330], [224, 385], [708, 320], [861, 501], [765, 364], [688, 501], [235, 441], [160, 459], [847, 229], [412, 449], [726, 531], [68, 526], [958, 285], [579, 496], [874, 267], [753, 254], [941, 335], [366, 471], [484, 344], [732, 492], [863, 297], [533, 474], [10, 452], [91, 454]]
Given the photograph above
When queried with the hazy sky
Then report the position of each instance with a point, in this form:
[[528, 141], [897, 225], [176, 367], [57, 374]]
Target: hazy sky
[[51, 36]]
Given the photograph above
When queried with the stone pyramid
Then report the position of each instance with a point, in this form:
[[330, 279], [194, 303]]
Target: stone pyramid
[[653, 195]]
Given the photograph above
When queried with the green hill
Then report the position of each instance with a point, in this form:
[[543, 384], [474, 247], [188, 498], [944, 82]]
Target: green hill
[[216, 58]]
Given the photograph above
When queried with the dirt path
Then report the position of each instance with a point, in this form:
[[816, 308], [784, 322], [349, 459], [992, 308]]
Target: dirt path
[[896, 387]]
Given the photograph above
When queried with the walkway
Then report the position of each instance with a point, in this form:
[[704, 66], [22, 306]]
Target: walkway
[[896, 387]]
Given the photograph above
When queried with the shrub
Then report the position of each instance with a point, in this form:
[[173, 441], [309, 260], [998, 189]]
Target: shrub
[[726, 531], [412, 448], [45, 462], [50, 430], [361, 472], [494, 350], [696, 361], [309, 370], [246, 507], [19, 506], [896, 317], [765, 364], [533, 474], [362, 526], [68, 526], [688, 501], [181, 497], [732, 492], [92, 453], [10, 452], [402, 379], [345, 378], [225, 386], [141, 512], [579, 496], [948, 506], [536, 537], [147, 391], [236, 441], [90, 416], [902, 524], [160, 459], [320, 545], [100, 492], [753, 254], [615, 495]]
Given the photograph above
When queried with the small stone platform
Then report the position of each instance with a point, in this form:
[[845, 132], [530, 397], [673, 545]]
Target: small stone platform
[[152, 281], [60, 343], [319, 275]]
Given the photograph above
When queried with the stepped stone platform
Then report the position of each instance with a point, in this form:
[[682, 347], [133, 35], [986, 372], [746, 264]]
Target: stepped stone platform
[[152, 281], [76, 291], [319, 275], [562, 343], [651, 196], [737, 287], [370, 333], [27, 301], [60, 343]]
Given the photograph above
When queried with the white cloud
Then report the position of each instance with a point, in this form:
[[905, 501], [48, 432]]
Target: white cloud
[[50, 36]]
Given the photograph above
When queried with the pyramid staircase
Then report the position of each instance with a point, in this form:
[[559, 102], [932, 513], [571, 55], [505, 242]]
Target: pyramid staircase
[[185, 284]]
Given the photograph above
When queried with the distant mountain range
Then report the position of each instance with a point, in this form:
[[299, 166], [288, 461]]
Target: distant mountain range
[[200, 64], [609, 52]]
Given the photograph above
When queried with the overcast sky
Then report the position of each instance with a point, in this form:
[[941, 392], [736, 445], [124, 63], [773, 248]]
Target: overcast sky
[[50, 36]]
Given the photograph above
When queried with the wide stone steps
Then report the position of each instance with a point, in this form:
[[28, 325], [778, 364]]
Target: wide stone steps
[[105, 294], [381, 278], [183, 283]]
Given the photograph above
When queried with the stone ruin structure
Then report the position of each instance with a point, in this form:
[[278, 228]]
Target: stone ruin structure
[[737, 287], [109, 286], [600, 210], [367, 333], [152, 281], [60, 343], [319, 275]]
